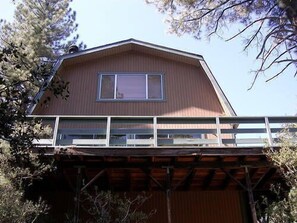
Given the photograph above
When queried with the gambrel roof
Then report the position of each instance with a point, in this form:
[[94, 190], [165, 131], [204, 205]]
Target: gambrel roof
[[148, 48]]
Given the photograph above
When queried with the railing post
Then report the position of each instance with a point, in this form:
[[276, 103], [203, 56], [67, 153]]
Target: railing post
[[155, 132], [268, 131], [108, 131], [219, 136], [55, 133]]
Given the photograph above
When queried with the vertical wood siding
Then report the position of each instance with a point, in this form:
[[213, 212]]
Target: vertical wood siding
[[198, 207], [187, 90], [186, 207]]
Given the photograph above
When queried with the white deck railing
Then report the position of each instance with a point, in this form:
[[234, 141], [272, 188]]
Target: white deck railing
[[115, 131]]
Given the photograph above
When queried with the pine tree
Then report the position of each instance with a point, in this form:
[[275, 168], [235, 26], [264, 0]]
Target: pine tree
[[44, 27], [41, 31]]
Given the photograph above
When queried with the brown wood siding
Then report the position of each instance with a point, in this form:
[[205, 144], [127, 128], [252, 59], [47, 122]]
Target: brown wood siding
[[187, 90], [186, 207], [202, 207]]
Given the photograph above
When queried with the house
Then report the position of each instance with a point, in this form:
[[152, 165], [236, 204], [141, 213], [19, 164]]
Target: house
[[143, 117]]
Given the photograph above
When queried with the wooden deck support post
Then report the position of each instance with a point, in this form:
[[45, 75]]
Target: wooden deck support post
[[168, 201], [248, 187], [250, 195], [77, 195], [168, 193]]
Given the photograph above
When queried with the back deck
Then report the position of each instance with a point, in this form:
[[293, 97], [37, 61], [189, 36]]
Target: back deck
[[165, 153]]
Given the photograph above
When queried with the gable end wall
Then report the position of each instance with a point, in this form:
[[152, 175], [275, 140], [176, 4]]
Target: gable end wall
[[187, 90]]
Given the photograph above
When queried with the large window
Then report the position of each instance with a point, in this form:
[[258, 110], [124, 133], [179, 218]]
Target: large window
[[130, 87]]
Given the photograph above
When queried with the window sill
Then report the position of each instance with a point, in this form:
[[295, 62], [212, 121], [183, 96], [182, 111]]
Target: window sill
[[130, 100]]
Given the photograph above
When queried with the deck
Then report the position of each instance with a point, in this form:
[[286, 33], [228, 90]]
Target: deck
[[164, 153], [163, 132], [137, 153]]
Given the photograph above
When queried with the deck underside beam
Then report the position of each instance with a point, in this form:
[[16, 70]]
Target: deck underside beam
[[160, 165], [152, 151]]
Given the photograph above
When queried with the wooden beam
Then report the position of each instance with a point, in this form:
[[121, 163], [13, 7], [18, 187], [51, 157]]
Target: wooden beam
[[190, 179], [153, 179], [191, 176], [252, 172], [184, 179], [92, 180], [168, 204], [212, 173], [208, 179], [234, 179], [169, 174], [227, 179], [173, 162], [159, 151], [159, 165], [150, 160], [232, 172], [266, 176]]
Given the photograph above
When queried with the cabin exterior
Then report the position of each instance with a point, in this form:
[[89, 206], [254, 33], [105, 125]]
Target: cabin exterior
[[142, 117]]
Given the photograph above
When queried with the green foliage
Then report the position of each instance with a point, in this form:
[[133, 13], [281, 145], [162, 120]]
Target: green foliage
[[29, 47], [286, 157], [283, 208], [16, 91], [44, 27], [13, 206], [19, 166], [276, 208], [108, 207], [268, 24]]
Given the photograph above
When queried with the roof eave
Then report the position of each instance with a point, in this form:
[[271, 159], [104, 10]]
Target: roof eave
[[131, 41], [227, 107]]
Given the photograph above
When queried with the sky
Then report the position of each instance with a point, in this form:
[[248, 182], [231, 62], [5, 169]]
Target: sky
[[102, 22]]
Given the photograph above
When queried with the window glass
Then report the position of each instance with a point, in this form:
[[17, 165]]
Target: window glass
[[154, 87], [131, 87], [107, 86]]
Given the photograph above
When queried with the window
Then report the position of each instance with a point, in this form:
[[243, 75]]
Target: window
[[130, 87]]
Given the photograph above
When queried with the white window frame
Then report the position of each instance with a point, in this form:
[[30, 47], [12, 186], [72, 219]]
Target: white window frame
[[129, 74]]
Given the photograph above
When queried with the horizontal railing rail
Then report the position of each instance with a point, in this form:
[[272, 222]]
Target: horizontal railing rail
[[135, 131]]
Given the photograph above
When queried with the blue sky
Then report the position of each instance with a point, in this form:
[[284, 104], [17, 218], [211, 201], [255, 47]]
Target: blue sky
[[101, 22]]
